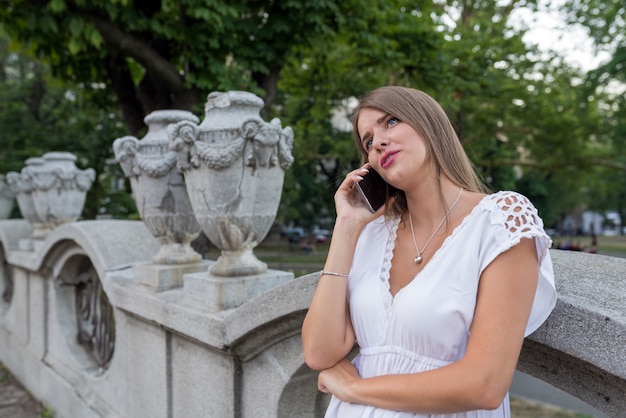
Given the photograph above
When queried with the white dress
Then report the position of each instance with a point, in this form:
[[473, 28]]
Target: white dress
[[403, 333]]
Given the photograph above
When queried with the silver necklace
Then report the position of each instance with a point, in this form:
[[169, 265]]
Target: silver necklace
[[418, 258]]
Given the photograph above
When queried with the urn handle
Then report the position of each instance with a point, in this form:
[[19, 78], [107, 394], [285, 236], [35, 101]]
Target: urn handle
[[17, 183], [182, 137], [125, 149], [270, 144]]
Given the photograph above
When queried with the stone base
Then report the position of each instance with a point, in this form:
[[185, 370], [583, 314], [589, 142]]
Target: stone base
[[217, 293], [159, 277]]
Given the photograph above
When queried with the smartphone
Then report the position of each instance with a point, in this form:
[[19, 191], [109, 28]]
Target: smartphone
[[373, 190]]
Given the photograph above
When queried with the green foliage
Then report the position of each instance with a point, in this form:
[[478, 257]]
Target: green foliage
[[168, 54], [606, 22], [47, 412], [39, 115], [538, 126], [4, 373], [376, 43], [605, 19]]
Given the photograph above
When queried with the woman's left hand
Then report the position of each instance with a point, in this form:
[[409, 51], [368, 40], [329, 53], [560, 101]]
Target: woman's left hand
[[337, 379]]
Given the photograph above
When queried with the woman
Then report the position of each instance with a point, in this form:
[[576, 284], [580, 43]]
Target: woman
[[438, 287]]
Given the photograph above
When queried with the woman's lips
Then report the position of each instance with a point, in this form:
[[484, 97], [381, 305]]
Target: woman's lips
[[388, 158]]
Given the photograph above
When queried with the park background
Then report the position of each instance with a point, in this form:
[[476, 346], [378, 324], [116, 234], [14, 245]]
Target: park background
[[75, 75]]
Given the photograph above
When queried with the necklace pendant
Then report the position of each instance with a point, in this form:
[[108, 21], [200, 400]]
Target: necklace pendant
[[418, 259]]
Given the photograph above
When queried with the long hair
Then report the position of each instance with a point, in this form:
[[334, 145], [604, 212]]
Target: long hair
[[427, 117]]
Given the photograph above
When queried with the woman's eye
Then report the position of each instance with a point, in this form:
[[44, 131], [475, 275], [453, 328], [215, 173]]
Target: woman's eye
[[367, 144], [392, 121]]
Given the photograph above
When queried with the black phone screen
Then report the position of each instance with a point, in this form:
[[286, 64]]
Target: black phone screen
[[373, 190]]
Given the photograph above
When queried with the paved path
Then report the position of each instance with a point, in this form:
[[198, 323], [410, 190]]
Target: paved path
[[15, 401]]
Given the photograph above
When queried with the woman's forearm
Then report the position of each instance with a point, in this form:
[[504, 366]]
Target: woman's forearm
[[451, 389], [327, 334]]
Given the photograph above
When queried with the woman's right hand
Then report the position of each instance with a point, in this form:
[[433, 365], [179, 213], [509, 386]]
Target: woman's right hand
[[348, 202]]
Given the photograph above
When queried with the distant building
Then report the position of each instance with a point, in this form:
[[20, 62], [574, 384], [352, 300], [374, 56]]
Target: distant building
[[606, 223]]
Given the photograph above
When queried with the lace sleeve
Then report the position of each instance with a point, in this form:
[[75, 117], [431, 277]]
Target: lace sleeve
[[515, 218]]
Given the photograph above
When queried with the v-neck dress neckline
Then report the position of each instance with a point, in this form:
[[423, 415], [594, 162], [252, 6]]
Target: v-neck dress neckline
[[390, 247]]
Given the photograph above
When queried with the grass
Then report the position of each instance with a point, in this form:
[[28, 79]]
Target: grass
[[521, 408], [4, 373], [280, 255], [612, 245], [46, 413], [608, 245]]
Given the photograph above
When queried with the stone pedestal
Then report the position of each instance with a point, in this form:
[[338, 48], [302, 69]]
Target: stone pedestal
[[159, 277], [217, 293]]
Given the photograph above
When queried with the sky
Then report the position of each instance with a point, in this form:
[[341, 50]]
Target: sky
[[547, 29]]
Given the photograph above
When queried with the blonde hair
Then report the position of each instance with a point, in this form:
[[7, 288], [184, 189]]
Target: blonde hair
[[427, 117]]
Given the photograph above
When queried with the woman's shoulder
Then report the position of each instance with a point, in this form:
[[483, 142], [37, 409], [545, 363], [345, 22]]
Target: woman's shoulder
[[512, 216], [507, 197], [512, 208]]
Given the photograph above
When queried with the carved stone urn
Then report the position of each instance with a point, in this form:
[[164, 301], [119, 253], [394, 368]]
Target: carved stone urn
[[21, 185], [59, 188], [6, 198], [234, 165], [159, 187]]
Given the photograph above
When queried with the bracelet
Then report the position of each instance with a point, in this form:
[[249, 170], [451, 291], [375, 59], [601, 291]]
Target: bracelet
[[332, 273]]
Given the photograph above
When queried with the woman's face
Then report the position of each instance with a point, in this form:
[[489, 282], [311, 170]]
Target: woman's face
[[394, 149]]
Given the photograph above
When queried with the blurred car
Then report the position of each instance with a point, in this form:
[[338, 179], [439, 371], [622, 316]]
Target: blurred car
[[293, 232], [319, 238], [321, 235]]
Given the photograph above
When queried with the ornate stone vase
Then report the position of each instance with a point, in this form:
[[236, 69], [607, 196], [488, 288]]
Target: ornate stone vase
[[21, 185], [6, 198], [159, 187], [59, 188], [234, 165]]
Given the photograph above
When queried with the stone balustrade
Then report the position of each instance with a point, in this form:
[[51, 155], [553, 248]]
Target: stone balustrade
[[89, 338]]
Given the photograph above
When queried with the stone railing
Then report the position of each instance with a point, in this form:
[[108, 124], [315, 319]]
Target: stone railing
[[89, 336], [581, 349]]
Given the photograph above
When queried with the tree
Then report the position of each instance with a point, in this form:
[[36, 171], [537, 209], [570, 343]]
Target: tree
[[156, 54], [522, 119], [606, 22], [38, 115], [378, 43]]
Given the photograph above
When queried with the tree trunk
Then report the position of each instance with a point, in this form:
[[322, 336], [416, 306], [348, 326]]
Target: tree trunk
[[124, 88], [269, 83]]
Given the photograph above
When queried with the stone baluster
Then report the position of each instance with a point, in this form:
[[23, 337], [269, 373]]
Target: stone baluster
[[50, 191], [159, 188], [22, 186], [234, 165], [161, 196], [59, 188]]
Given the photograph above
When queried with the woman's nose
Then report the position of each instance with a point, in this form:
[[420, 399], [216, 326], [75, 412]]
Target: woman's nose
[[379, 140]]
